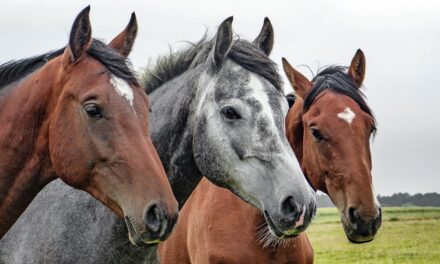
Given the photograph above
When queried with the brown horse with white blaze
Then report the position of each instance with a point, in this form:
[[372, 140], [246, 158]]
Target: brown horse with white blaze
[[79, 114], [329, 128]]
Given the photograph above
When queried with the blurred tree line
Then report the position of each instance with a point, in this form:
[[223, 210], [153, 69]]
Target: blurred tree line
[[397, 199]]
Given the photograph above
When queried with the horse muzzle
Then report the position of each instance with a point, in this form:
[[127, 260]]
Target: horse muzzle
[[292, 220], [156, 226], [359, 230]]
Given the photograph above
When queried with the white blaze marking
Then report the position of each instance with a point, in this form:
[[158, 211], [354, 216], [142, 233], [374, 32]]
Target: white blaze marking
[[348, 115], [300, 221], [208, 84], [123, 89], [262, 97]]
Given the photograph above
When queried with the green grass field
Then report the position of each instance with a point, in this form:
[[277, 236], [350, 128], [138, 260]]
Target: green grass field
[[407, 235]]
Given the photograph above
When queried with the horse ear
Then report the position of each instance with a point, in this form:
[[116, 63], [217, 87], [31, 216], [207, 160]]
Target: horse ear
[[123, 43], [223, 41], [357, 68], [299, 82], [265, 39], [80, 35]]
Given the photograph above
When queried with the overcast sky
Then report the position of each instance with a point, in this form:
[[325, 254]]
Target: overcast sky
[[401, 41]]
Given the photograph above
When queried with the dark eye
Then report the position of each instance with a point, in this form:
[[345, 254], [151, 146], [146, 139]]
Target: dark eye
[[230, 113], [316, 134], [93, 110]]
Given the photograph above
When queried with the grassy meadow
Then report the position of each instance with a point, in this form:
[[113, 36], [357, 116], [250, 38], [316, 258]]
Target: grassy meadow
[[407, 235]]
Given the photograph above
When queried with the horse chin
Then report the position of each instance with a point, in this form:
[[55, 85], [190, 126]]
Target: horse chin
[[136, 238], [360, 240], [350, 232], [273, 229]]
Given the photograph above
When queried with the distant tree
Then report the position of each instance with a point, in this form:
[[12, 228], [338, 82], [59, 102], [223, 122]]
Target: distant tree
[[397, 199], [405, 199]]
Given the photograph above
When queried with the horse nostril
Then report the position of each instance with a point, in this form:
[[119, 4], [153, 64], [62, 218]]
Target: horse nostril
[[289, 208], [153, 218], [351, 216]]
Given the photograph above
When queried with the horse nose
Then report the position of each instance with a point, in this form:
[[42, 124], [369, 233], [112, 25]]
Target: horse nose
[[158, 223], [364, 227], [290, 209], [296, 215]]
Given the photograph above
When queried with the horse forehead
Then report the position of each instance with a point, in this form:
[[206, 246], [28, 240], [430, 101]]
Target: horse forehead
[[347, 115], [347, 110], [123, 89], [333, 103], [236, 82], [232, 82], [264, 92]]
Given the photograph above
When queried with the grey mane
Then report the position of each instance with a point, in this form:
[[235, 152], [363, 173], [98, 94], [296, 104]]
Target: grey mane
[[242, 52]]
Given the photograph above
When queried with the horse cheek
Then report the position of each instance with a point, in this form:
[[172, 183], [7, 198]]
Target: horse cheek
[[67, 152]]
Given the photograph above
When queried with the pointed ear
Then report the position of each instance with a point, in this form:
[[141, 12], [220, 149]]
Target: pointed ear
[[80, 35], [299, 82], [357, 67], [123, 43], [223, 41], [265, 39]]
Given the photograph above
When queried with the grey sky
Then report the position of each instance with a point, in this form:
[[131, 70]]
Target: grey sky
[[401, 41]]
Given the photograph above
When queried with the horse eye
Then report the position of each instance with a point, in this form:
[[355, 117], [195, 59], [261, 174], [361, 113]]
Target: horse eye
[[230, 113], [316, 134], [93, 110]]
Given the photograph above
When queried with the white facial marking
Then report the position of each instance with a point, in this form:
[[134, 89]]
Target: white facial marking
[[209, 84], [300, 221], [262, 97], [288, 154], [348, 115], [123, 89]]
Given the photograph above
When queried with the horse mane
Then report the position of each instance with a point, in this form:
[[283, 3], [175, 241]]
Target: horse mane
[[12, 71], [335, 78], [242, 52], [118, 65]]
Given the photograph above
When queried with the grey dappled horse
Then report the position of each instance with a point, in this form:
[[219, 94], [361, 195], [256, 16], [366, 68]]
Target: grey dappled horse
[[217, 110]]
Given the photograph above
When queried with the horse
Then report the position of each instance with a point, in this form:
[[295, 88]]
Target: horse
[[217, 109], [79, 114], [328, 127]]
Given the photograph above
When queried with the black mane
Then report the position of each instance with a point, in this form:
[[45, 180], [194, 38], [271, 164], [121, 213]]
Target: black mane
[[118, 65], [12, 71], [242, 52], [335, 78]]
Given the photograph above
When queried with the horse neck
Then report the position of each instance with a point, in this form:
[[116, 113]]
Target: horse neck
[[172, 132], [25, 162]]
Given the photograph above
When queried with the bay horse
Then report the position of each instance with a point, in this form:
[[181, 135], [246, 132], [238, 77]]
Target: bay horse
[[79, 114], [217, 109], [328, 127]]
